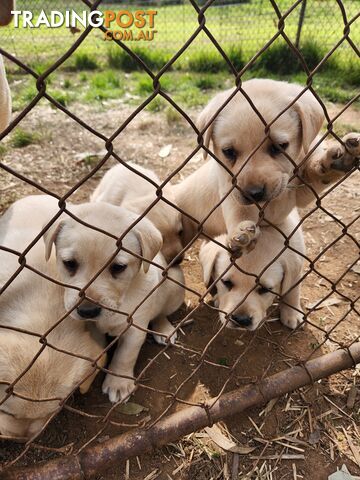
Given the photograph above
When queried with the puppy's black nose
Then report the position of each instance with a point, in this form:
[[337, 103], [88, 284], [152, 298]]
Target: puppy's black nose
[[255, 194], [88, 310], [242, 320], [179, 259]]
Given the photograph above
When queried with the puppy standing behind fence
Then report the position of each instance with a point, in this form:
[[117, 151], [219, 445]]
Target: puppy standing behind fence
[[124, 283], [240, 143], [122, 186], [34, 305], [268, 271]]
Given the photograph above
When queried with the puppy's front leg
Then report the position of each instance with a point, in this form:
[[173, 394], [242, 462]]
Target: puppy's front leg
[[327, 166], [161, 325], [290, 309], [123, 363]]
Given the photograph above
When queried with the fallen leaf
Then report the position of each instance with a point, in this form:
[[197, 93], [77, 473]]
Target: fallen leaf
[[165, 151], [131, 408], [225, 443]]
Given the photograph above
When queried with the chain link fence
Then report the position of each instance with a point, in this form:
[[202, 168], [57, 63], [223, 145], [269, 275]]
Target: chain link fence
[[101, 446]]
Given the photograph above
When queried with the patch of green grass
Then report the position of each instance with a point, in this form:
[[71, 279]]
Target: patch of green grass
[[120, 59], [145, 84], [172, 115], [313, 53], [83, 77], [206, 61], [236, 56], [279, 59], [104, 86], [67, 83], [191, 97], [2, 150], [334, 94], [84, 61], [24, 96], [156, 105], [91, 160], [22, 138], [205, 82], [41, 66], [60, 96], [351, 74], [105, 80]]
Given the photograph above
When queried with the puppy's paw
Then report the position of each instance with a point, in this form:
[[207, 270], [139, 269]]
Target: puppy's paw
[[117, 388], [291, 319], [340, 159], [243, 240], [162, 340], [162, 325]]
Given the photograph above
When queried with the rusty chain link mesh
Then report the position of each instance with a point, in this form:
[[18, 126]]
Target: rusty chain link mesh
[[200, 357]]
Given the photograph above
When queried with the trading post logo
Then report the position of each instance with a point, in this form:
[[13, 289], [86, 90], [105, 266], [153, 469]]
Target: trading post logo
[[120, 25]]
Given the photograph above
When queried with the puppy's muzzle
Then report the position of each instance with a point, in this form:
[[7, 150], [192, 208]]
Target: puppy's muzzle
[[88, 310], [243, 321]]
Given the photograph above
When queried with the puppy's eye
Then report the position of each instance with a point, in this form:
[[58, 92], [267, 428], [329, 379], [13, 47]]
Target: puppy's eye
[[230, 153], [71, 266], [116, 269], [262, 290], [278, 149], [228, 284], [180, 232]]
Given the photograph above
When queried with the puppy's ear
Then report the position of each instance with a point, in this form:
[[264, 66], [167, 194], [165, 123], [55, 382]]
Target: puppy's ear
[[311, 117], [50, 237], [207, 256], [150, 240]]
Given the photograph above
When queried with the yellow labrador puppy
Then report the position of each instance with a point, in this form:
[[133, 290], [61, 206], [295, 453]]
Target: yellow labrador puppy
[[246, 293], [124, 287], [33, 306], [238, 133], [122, 186]]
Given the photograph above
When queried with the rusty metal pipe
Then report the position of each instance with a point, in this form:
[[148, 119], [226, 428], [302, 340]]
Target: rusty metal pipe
[[97, 459]]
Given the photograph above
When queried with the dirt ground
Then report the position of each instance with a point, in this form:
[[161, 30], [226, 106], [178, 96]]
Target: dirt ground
[[304, 435]]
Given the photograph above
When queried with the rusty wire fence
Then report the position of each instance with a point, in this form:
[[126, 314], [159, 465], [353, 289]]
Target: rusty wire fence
[[94, 457]]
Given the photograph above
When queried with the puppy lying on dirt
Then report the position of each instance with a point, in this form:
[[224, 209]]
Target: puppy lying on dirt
[[122, 186], [247, 289], [265, 181], [5, 98], [124, 286], [31, 306]]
